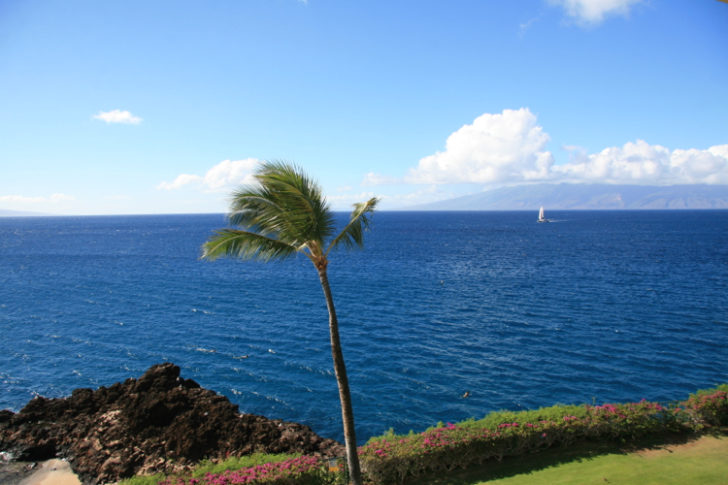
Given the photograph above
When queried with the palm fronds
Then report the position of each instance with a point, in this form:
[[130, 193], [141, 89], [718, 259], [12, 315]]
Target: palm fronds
[[353, 234], [286, 204], [284, 212], [245, 245]]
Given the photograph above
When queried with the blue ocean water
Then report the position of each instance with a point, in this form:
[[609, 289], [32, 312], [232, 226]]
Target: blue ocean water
[[595, 306]]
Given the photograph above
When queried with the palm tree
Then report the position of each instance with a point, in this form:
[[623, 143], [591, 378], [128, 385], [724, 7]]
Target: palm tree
[[285, 214]]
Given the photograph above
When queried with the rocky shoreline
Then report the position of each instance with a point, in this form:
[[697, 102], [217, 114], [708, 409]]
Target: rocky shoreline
[[159, 422]]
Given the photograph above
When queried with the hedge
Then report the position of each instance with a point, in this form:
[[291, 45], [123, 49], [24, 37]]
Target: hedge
[[392, 458]]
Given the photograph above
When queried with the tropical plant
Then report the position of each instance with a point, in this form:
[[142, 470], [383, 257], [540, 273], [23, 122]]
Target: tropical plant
[[285, 213]]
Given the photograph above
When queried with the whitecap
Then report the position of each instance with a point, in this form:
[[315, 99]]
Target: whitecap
[[206, 351]]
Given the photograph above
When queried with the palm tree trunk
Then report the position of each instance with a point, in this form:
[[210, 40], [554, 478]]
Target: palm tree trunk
[[347, 413]]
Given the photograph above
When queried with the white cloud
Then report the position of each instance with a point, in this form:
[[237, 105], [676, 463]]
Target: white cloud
[[346, 201], [179, 182], [525, 26], [222, 176], [641, 163], [118, 116], [22, 199], [594, 11], [494, 148], [394, 199], [55, 198], [509, 148], [701, 166], [372, 178]]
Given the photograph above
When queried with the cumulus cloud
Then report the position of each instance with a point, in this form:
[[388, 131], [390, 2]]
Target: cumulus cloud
[[494, 148], [118, 116], [180, 181], [509, 148], [221, 177], [641, 163], [372, 178], [594, 11]]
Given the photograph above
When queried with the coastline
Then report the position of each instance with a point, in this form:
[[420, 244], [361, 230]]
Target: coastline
[[505, 433], [158, 422], [50, 472]]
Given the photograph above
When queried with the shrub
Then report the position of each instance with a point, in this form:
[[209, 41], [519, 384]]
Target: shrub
[[391, 458], [302, 470], [709, 407]]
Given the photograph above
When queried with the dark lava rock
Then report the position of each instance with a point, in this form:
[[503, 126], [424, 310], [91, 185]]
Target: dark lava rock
[[157, 423]]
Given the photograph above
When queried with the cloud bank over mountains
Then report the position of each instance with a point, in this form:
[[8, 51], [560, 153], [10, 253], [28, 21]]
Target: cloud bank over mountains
[[641, 163], [509, 148]]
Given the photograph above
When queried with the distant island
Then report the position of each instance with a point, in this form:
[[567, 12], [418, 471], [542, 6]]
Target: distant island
[[588, 197], [9, 213]]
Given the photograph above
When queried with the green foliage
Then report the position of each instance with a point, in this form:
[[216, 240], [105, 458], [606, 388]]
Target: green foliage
[[708, 406], [394, 458], [552, 413], [144, 479], [300, 470], [284, 213], [238, 462], [210, 467]]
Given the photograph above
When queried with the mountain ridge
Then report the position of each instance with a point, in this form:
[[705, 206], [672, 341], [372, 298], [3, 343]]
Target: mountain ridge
[[589, 197], [10, 213]]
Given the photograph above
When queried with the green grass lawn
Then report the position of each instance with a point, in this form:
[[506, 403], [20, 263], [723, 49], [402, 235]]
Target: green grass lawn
[[700, 461]]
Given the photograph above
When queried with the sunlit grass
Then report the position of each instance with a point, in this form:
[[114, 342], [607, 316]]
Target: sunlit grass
[[698, 462]]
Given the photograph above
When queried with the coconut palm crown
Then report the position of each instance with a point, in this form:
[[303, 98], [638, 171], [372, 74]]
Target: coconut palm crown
[[285, 213]]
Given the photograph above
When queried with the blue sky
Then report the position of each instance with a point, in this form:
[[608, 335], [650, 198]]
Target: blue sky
[[130, 107]]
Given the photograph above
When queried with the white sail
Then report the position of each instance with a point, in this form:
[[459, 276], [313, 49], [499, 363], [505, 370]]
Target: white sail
[[541, 215]]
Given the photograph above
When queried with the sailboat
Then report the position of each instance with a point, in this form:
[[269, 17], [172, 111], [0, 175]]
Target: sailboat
[[541, 216]]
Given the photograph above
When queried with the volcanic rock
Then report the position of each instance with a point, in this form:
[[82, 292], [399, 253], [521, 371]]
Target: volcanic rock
[[157, 423]]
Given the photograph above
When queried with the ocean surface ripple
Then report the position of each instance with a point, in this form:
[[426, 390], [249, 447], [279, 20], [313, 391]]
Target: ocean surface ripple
[[593, 307]]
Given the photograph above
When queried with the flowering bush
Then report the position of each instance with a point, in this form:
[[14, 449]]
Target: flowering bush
[[392, 459], [708, 407], [303, 470]]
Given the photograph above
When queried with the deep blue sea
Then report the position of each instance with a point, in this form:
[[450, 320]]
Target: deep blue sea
[[592, 307]]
